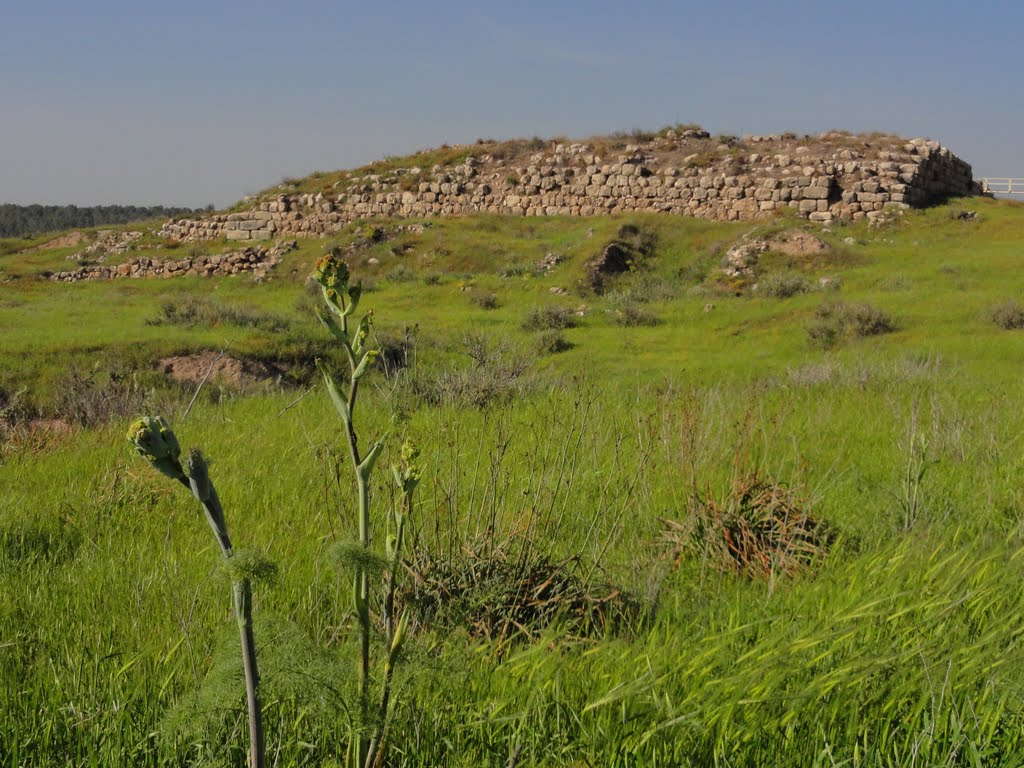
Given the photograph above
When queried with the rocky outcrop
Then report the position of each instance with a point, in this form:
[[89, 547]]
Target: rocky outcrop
[[254, 260], [824, 178]]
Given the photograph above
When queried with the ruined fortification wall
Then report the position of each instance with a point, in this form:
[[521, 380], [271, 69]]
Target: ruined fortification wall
[[255, 260], [827, 177]]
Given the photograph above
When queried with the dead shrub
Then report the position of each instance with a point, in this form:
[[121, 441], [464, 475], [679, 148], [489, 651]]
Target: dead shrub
[[502, 596], [498, 373], [98, 396], [760, 529]]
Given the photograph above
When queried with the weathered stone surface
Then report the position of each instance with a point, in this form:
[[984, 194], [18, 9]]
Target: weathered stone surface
[[826, 177], [257, 260]]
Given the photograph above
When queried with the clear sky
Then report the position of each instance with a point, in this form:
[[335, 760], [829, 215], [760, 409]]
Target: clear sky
[[190, 103]]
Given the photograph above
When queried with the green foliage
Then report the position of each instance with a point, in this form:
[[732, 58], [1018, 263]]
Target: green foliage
[[552, 342], [402, 273], [783, 285], [634, 316], [373, 578], [432, 278], [485, 300], [155, 442], [251, 565], [192, 312], [1008, 315], [837, 321], [897, 647], [549, 318], [353, 557]]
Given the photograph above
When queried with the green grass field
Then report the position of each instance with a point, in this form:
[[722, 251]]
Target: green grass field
[[898, 642]]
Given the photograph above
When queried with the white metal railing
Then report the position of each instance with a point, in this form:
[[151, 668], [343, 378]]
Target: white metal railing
[[1002, 186]]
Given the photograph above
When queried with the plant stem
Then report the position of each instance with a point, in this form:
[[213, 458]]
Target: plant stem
[[242, 597], [361, 585], [242, 591]]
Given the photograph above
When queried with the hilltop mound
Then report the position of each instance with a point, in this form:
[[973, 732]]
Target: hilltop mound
[[685, 171]]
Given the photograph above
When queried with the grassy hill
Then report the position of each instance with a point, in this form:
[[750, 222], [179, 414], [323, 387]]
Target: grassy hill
[[655, 444]]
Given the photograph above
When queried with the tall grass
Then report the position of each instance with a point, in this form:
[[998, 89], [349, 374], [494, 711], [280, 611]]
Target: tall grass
[[899, 647]]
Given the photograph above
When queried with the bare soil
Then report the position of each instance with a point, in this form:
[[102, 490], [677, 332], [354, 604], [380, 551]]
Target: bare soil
[[222, 369], [795, 242], [64, 241]]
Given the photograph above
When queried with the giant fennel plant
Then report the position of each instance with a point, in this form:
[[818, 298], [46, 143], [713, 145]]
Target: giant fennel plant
[[368, 745], [156, 443]]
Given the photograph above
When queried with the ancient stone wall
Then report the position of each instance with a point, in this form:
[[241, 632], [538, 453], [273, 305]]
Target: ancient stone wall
[[824, 178], [257, 260]]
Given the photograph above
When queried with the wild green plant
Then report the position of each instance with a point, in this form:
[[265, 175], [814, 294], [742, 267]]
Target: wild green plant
[[368, 745], [1008, 315], [549, 318], [156, 443]]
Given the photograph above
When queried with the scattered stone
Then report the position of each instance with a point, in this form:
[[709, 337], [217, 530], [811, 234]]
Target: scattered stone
[[741, 260], [963, 215], [107, 243], [257, 260], [551, 260]]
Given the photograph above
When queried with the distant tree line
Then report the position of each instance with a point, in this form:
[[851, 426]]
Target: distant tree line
[[27, 220]]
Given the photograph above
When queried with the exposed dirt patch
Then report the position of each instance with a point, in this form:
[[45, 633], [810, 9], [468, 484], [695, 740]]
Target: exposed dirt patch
[[795, 242], [741, 260], [222, 369], [64, 241]]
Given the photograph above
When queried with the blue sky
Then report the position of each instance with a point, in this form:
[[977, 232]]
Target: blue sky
[[191, 103]]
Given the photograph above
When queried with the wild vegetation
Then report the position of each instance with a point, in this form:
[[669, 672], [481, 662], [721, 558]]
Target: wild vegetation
[[657, 525]]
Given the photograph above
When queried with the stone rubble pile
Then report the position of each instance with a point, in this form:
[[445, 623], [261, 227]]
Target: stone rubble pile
[[254, 260], [107, 243], [824, 178]]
